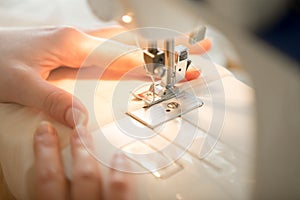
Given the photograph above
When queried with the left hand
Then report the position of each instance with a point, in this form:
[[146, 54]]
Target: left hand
[[28, 56]]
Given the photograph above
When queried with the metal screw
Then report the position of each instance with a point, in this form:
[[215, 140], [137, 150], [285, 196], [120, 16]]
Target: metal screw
[[173, 105]]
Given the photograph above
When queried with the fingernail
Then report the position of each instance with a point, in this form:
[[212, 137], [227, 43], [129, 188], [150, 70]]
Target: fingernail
[[44, 128], [75, 117]]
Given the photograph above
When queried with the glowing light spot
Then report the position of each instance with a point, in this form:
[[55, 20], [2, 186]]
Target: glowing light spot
[[127, 19], [156, 174]]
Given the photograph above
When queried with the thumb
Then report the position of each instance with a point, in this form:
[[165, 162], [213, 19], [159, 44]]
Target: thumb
[[35, 92], [62, 106]]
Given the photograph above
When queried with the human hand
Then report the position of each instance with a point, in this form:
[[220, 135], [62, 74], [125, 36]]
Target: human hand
[[29, 55], [27, 58], [86, 182]]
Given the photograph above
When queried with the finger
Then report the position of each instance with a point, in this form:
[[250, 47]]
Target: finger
[[201, 47], [86, 178], [119, 34], [76, 46], [108, 32], [120, 183], [205, 44], [192, 73], [31, 90], [50, 180]]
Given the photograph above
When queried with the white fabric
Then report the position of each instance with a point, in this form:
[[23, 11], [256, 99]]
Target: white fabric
[[18, 123]]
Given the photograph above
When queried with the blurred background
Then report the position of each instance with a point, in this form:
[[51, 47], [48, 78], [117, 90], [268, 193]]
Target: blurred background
[[277, 22]]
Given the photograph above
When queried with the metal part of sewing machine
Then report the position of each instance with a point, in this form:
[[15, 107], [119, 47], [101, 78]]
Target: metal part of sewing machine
[[163, 99], [169, 66]]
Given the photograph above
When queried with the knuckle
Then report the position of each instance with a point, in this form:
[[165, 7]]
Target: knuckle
[[67, 30], [68, 39], [66, 35], [119, 184], [49, 174], [22, 73], [41, 142], [87, 172]]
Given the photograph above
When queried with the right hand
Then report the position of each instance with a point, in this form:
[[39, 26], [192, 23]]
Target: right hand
[[86, 182]]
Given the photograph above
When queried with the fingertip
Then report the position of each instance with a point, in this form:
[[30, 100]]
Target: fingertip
[[75, 116], [192, 74], [44, 134], [201, 47], [43, 128], [206, 44]]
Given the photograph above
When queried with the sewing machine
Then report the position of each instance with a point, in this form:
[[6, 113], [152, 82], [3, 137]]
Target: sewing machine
[[274, 175]]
